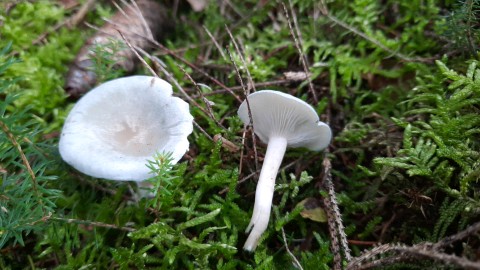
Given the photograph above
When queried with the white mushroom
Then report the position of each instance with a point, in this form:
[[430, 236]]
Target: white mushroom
[[279, 120], [116, 127]]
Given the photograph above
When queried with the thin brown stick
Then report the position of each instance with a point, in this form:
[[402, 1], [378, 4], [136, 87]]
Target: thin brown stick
[[142, 18], [240, 54], [423, 250], [238, 88], [248, 107], [138, 55], [202, 130], [470, 230], [172, 79], [170, 52], [470, 17], [333, 208], [70, 22], [219, 48], [92, 223], [298, 44], [332, 225], [209, 111], [403, 253], [181, 59], [295, 260], [240, 166]]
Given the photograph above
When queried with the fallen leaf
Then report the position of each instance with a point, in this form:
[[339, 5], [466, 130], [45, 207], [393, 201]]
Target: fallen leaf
[[312, 210]]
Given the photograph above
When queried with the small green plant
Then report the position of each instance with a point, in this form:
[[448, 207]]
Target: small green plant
[[166, 179], [26, 200], [105, 58], [440, 145]]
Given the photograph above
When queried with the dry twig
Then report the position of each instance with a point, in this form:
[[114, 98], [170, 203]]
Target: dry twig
[[251, 84], [425, 250], [295, 260], [92, 223], [298, 44], [248, 107], [335, 224]]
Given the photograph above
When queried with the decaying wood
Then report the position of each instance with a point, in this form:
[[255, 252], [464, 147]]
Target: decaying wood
[[138, 22]]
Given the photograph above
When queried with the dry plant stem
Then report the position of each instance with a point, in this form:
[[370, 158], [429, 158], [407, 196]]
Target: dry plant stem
[[371, 254], [295, 260], [170, 52], [422, 251], [137, 55], [470, 39], [403, 253], [219, 48], [202, 130], [248, 106], [25, 162], [332, 229], [141, 17], [71, 22], [172, 79], [209, 111], [242, 149], [264, 193], [378, 263], [237, 49], [81, 13], [262, 84], [470, 230], [92, 223], [334, 213], [298, 45], [181, 59]]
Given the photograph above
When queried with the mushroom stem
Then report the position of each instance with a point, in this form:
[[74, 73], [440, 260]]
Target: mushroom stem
[[264, 193]]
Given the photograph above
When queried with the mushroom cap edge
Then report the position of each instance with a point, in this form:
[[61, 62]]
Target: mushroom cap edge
[[276, 113]]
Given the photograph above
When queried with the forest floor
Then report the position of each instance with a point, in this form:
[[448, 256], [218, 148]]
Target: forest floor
[[398, 83]]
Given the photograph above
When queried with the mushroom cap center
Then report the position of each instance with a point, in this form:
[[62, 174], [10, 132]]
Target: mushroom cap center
[[136, 132]]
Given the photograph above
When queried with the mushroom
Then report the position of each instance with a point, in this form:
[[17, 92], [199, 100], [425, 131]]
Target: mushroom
[[116, 127], [279, 120]]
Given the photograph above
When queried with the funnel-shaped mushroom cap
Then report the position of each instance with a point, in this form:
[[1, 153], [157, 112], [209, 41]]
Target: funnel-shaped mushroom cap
[[282, 115], [116, 127]]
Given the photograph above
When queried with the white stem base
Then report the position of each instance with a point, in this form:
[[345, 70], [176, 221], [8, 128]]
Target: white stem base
[[264, 193]]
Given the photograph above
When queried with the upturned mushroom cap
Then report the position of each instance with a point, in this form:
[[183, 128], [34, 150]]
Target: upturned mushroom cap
[[278, 114], [115, 128]]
